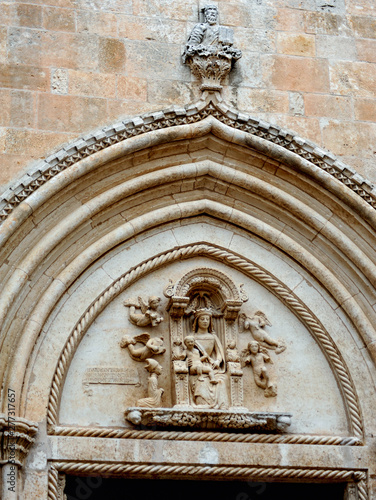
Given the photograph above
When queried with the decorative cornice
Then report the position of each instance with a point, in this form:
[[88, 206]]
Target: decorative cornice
[[16, 437], [249, 269], [193, 113], [241, 472], [108, 433]]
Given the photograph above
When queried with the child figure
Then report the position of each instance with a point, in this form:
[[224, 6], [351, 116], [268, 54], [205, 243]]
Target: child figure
[[195, 361], [256, 325], [257, 359]]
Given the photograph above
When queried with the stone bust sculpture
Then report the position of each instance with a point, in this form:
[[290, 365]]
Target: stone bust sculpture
[[209, 38], [209, 50]]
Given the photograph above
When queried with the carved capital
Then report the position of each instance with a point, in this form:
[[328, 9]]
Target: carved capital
[[210, 70], [231, 309], [177, 305], [16, 436]]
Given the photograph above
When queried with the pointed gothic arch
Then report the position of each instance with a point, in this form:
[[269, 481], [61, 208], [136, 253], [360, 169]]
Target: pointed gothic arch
[[206, 162]]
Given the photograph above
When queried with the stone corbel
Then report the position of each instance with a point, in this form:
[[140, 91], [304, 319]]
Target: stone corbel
[[177, 305], [16, 436], [231, 309]]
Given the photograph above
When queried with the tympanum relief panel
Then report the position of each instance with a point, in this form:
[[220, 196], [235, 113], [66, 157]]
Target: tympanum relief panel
[[198, 345]]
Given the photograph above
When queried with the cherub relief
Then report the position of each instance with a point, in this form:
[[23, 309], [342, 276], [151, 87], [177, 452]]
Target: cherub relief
[[256, 325], [148, 315], [152, 346], [255, 356]]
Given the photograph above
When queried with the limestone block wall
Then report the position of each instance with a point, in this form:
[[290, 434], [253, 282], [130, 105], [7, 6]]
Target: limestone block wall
[[70, 66]]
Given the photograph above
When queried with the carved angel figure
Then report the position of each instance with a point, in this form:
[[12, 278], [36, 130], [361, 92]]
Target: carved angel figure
[[154, 392], [256, 356], [152, 346], [148, 315], [256, 325]]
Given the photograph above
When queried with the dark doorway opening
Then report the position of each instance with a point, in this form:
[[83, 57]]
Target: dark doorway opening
[[99, 488]]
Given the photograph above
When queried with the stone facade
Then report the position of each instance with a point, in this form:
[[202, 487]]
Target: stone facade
[[197, 274], [68, 67]]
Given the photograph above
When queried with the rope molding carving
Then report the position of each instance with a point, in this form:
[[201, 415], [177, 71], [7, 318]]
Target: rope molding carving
[[105, 138], [202, 471], [208, 436], [275, 473], [53, 475], [248, 268]]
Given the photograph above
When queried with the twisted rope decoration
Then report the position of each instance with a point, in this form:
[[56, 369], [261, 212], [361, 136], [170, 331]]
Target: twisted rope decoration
[[362, 489], [275, 473], [258, 274], [53, 492], [208, 436]]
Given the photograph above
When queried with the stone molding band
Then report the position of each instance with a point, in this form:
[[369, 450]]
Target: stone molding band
[[207, 436], [107, 137], [247, 267], [203, 471]]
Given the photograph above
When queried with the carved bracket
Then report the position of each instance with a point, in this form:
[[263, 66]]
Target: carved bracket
[[209, 419], [16, 437]]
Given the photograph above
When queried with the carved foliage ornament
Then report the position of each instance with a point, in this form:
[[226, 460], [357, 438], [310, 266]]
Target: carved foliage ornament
[[209, 50], [16, 437]]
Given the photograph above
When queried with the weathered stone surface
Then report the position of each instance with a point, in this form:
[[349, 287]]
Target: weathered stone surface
[[53, 112], [56, 19], [365, 109], [353, 78], [29, 15], [299, 74], [364, 27], [349, 138], [336, 47], [324, 23], [339, 107], [92, 84], [296, 45]]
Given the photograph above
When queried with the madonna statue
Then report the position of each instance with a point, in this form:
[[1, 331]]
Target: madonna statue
[[205, 393]]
